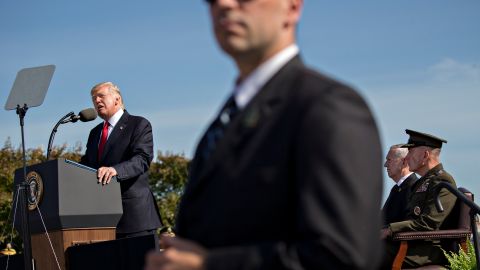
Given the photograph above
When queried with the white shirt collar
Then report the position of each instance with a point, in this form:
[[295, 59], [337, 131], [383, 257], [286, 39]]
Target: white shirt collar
[[249, 87], [403, 179], [115, 118]]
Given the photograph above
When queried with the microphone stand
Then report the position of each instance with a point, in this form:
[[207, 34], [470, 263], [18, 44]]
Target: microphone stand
[[474, 210], [52, 135]]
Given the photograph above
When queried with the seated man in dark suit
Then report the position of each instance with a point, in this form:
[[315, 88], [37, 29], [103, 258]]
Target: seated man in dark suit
[[122, 146], [288, 176], [395, 207], [424, 159]]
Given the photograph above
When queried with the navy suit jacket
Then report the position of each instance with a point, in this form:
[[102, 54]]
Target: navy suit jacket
[[129, 149], [295, 183], [395, 208]]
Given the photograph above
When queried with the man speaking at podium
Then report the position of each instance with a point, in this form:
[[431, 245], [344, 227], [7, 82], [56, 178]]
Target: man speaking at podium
[[122, 146]]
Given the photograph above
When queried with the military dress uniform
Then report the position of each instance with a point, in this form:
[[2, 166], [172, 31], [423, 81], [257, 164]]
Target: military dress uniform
[[422, 214]]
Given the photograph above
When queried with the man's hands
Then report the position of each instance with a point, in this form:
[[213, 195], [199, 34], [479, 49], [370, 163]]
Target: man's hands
[[105, 174], [177, 254], [385, 233]]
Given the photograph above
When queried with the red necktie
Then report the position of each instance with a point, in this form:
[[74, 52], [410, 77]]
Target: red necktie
[[103, 139]]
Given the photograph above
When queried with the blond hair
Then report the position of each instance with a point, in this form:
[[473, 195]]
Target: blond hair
[[112, 88]]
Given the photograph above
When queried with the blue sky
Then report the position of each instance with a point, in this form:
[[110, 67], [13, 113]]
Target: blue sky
[[416, 62]]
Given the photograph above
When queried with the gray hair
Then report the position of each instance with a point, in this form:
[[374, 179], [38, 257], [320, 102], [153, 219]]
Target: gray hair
[[435, 152], [400, 151]]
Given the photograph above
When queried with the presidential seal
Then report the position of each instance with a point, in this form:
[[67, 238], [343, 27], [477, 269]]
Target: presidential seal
[[35, 182]]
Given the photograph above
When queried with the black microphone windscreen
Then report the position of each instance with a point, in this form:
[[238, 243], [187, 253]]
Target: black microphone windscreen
[[87, 115]]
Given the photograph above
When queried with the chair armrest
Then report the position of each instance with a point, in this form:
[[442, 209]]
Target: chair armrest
[[430, 235]]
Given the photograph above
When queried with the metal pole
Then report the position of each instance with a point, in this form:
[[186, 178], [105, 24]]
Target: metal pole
[[23, 207], [23, 199]]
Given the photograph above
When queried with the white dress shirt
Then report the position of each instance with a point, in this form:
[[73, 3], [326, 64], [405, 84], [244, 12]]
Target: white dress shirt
[[113, 121], [249, 87], [399, 183]]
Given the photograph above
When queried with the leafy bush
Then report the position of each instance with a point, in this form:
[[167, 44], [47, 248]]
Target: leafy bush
[[462, 260]]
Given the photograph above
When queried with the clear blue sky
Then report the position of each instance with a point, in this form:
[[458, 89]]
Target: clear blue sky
[[416, 62]]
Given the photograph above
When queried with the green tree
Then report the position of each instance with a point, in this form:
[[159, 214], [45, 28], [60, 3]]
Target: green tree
[[11, 159], [168, 175]]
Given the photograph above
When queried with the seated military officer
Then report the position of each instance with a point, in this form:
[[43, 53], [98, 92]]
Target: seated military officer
[[423, 158]]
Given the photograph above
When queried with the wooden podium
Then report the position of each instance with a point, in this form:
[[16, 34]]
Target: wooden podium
[[75, 209]]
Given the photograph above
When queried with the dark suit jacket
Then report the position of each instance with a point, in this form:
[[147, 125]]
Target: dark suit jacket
[[129, 149], [295, 183], [395, 207]]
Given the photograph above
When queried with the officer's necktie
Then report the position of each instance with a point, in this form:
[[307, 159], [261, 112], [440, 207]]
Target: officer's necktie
[[103, 139], [219, 126]]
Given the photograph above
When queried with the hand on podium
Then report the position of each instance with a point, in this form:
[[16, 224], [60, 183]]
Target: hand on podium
[[105, 174]]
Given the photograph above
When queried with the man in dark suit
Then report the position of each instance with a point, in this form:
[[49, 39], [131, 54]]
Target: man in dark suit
[[122, 146], [395, 207], [289, 175], [423, 158]]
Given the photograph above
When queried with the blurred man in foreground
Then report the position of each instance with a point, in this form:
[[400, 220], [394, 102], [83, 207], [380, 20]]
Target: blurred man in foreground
[[288, 176]]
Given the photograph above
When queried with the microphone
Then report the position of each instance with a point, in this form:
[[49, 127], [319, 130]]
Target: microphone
[[84, 116]]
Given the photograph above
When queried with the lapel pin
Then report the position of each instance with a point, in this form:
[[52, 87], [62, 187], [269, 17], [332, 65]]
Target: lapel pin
[[251, 118]]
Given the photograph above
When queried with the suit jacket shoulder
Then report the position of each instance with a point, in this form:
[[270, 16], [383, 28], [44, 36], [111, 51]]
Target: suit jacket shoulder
[[311, 144]]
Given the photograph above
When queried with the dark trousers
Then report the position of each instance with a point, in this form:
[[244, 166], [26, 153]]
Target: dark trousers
[[419, 253]]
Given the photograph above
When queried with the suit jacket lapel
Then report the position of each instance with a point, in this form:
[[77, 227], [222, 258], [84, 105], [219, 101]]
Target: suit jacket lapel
[[409, 181], [116, 132], [254, 115], [96, 133]]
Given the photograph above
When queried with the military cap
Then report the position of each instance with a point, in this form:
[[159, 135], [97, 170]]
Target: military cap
[[422, 139]]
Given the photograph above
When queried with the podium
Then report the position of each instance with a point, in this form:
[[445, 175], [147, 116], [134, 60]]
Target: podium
[[74, 209]]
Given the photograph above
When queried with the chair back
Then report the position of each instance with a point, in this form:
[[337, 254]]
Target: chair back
[[459, 219], [464, 218]]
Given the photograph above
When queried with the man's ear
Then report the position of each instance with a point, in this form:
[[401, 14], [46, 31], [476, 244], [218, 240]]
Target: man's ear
[[426, 155], [294, 11], [404, 163]]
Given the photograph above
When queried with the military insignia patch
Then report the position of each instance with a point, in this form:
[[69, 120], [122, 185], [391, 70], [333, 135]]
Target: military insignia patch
[[417, 211], [423, 187]]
